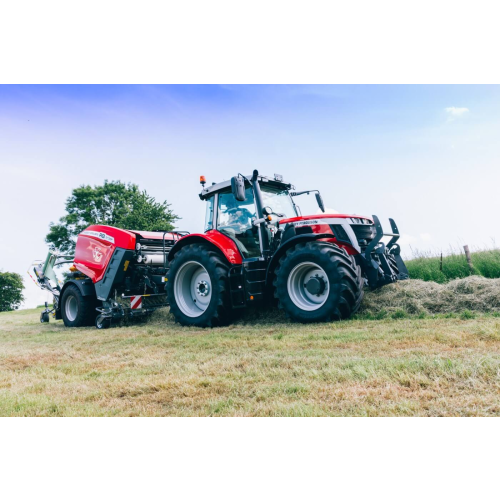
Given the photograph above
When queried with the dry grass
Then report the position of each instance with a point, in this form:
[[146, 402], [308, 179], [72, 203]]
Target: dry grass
[[259, 367], [472, 294]]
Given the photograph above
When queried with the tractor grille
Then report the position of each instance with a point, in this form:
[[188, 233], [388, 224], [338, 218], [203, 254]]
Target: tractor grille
[[364, 233]]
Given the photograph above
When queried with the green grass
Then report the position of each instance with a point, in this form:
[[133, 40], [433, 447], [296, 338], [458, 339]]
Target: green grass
[[426, 267], [396, 365]]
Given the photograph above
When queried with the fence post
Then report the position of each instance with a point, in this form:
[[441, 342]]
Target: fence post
[[441, 263], [469, 261]]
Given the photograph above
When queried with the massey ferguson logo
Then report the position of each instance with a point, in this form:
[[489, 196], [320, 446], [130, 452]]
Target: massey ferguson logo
[[306, 223], [97, 254]]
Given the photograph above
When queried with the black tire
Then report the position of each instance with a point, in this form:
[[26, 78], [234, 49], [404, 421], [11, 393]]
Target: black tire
[[83, 311], [218, 312], [44, 317], [345, 291]]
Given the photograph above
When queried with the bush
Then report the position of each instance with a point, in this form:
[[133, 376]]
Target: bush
[[11, 291]]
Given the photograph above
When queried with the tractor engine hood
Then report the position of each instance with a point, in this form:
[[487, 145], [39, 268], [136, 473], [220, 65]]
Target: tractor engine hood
[[319, 219]]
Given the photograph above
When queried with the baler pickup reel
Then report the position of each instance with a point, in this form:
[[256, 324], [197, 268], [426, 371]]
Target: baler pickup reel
[[383, 263], [44, 276]]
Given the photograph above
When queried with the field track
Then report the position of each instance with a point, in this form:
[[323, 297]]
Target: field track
[[433, 366]]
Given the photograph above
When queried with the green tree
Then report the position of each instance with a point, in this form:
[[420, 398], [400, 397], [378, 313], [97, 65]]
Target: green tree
[[112, 204], [11, 291]]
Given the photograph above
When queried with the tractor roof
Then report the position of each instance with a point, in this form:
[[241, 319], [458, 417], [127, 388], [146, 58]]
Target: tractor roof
[[208, 191]]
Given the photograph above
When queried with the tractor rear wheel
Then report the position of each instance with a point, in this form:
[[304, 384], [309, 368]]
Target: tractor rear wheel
[[198, 288], [318, 281], [76, 309]]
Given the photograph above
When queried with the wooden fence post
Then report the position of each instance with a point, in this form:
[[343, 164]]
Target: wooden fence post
[[469, 261], [441, 263]]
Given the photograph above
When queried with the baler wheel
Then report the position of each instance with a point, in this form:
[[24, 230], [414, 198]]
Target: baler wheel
[[101, 322], [44, 317], [76, 309], [318, 281], [198, 288]]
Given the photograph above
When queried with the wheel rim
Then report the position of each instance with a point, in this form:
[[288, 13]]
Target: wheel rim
[[298, 280], [193, 289], [71, 308]]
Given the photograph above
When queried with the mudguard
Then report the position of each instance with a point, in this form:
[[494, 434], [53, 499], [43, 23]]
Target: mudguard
[[222, 242], [85, 286]]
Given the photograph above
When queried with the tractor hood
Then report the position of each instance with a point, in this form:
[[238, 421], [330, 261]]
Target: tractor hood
[[311, 219]]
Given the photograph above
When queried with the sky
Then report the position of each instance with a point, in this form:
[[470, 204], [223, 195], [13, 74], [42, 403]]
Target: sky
[[428, 156]]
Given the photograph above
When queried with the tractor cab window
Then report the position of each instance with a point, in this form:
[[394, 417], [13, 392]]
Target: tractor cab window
[[209, 214], [235, 220], [278, 200]]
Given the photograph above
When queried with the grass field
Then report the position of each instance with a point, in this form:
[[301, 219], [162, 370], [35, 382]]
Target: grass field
[[259, 367], [426, 267]]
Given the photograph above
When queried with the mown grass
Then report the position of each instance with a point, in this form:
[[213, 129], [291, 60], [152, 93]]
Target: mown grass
[[397, 365], [426, 267]]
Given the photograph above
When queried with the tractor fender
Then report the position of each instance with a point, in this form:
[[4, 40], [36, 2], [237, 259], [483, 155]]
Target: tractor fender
[[301, 238], [213, 237], [85, 286]]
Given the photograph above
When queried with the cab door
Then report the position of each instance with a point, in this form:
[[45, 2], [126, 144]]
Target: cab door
[[234, 219]]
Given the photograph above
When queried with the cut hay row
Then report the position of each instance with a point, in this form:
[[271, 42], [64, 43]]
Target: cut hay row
[[473, 293]]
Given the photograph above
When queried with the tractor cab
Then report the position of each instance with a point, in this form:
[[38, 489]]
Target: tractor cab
[[251, 218]]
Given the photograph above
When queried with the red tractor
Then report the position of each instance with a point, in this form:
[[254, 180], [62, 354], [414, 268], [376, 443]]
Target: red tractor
[[257, 249]]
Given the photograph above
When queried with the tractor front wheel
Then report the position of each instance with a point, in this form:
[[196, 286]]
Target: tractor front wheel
[[318, 281], [198, 288]]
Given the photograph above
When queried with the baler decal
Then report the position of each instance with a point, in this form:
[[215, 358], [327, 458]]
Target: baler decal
[[100, 235], [97, 254]]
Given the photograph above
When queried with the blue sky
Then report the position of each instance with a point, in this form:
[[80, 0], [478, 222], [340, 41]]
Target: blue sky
[[426, 155]]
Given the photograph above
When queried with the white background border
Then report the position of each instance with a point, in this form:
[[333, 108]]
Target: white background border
[[248, 42]]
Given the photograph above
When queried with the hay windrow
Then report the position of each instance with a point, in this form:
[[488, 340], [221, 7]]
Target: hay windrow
[[473, 293]]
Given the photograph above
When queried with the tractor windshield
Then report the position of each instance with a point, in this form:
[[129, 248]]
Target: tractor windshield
[[279, 200]]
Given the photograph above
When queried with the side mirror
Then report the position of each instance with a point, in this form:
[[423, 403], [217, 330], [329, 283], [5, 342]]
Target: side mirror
[[267, 210], [321, 205], [238, 188]]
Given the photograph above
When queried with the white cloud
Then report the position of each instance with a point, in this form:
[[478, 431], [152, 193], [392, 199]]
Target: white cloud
[[425, 236], [454, 112]]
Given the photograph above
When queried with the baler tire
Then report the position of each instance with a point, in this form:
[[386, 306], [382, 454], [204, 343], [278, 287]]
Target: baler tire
[[44, 317], [218, 311], [102, 323], [345, 282], [85, 308]]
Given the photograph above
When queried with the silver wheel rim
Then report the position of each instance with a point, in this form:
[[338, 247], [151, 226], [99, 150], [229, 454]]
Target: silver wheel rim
[[71, 308], [297, 290], [192, 289]]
